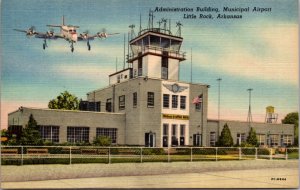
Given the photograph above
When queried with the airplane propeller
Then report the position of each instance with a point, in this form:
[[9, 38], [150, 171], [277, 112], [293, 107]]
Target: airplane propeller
[[103, 34], [29, 32]]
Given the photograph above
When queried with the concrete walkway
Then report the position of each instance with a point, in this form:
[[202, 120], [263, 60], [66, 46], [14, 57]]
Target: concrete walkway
[[221, 174], [259, 178]]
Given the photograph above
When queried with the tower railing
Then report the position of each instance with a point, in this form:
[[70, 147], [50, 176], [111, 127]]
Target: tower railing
[[157, 50]]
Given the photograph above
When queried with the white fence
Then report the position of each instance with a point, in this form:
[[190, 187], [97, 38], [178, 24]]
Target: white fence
[[19, 155]]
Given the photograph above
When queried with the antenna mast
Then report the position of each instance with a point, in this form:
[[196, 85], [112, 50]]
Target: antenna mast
[[191, 65], [124, 51], [249, 118], [178, 24]]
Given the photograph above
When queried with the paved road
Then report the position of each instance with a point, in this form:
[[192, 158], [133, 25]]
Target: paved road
[[259, 178], [246, 173]]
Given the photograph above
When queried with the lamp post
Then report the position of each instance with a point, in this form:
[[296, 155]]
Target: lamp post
[[219, 98]]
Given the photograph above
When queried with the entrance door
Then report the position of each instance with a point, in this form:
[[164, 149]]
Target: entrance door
[[197, 139], [181, 141], [165, 141], [150, 139]]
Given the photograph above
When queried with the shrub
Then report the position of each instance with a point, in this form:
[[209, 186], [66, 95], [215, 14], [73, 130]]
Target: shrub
[[225, 140], [102, 141]]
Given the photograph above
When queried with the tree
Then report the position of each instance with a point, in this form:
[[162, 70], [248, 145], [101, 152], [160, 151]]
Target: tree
[[252, 139], [293, 118], [65, 101], [31, 134], [225, 139], [102, 141]]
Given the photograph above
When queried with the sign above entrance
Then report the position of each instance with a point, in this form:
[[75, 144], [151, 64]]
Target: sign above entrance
[[175, 116], [175, 87]]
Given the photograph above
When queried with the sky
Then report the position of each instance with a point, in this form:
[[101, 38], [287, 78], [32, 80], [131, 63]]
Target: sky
[[259, 51]]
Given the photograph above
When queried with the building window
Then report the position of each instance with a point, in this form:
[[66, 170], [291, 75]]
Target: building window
[[15, 130], [122, 102], [174, 101], [164, 65], [150, 99], [165, 129], [165, 134], [108, 132], [78, 134], [286, 140], [182, 130], [182, 102], [140, 66], [134, 99], [108, 105], [261, 138], [274, 140], [174, 135], [212, 139], [166, 100], [240, 138], [50, 133]]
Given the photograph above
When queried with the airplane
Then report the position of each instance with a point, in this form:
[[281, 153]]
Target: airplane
[[67, 32]]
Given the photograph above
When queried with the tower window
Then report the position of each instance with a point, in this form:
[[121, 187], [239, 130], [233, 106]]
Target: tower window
[[140, 65], [150, 99], [122, 102], [108, 105], [164, 65], [134, 99]]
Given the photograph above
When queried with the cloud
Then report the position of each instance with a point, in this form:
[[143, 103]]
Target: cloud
[[86, 71], [264, 53]]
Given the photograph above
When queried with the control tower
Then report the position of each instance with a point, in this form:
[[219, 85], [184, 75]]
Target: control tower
[[154, 53]]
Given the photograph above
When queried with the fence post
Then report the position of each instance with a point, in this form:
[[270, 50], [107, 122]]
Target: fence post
[[70, 155], [286, 154], [216, 153], [22, 155], [255, 153], [191, 154], [270, 153], [168, 154], [240, 153], [109, 155], [141, 154]]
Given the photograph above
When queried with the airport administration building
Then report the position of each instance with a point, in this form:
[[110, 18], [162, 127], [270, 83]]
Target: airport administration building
[[146, 105]]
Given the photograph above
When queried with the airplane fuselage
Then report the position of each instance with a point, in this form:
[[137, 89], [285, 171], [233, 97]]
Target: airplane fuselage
[[69, 33]]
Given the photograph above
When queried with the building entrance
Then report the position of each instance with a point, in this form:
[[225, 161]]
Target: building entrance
[[150, 139], [197, 139]]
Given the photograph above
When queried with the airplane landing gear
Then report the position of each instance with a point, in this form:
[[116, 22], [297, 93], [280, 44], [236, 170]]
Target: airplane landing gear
[[45, 44], [88, 45], [72, 47]]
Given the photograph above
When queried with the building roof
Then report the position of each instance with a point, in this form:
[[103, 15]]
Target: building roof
[[60, 110], [149, 78]]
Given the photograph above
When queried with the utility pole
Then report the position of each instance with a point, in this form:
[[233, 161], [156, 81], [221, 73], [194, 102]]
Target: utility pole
[[249, 118], [219, 102]]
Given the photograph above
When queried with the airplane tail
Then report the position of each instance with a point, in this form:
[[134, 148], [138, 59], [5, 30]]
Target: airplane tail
[[63, 20]]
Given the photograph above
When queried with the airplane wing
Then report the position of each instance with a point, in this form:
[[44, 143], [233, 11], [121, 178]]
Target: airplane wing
[[51, 25], [113, 34], [20, 30], [80, 38], [47, 35]]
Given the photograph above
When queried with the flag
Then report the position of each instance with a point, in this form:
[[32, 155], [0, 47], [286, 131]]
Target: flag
[[198, 99]]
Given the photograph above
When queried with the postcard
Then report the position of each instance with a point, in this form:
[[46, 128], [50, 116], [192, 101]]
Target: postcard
[[149, 94]]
